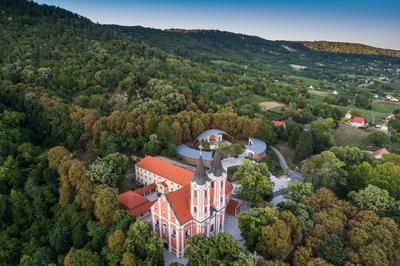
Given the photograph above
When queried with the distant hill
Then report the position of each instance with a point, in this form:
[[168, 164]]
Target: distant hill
[[352, 48], [257, 56]]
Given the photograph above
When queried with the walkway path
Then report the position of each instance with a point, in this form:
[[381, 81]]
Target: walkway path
[[290, 173]]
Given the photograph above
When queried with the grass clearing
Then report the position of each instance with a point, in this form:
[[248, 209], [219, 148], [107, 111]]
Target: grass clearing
[[268, 105], [346, 135]]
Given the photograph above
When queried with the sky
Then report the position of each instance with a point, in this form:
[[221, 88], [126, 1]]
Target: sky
[[372, 22]]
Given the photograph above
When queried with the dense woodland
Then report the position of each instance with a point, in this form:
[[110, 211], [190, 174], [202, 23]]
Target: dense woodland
[[354, 48], [77, 98]]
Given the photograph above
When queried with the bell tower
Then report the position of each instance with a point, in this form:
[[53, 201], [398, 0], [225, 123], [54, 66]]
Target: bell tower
[[200, 187], [218, 177]]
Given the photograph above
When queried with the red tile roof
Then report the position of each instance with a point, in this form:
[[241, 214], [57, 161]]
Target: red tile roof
[[358, 119], [164, 169], [179, 201], [379, 152], [142, 209], [145, 189], [130, 199], [278, 123]]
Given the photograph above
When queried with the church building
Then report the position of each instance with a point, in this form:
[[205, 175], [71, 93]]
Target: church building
[[198, 207]]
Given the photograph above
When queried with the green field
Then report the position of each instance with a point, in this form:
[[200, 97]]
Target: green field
[[346, 135], [384, 107]]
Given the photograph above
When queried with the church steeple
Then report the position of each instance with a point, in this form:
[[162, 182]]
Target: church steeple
[[200, 176], [216, 165]]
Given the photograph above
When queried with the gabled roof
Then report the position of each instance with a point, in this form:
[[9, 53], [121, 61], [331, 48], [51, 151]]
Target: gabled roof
[[145, 189], [141, 209], [380, 152], [278, 123], [358, 119], [130, 199], [179, 201], [164, 169]]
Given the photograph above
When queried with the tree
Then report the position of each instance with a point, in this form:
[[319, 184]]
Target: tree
[[250, 223], [324, 170], [77, 257], [254, 181], [304, 146], [294, 131], [297, 190], [351, 156], [333, 250], [55, 155], [322, 135], [379, 139], [267, 133], [221, 249], [147, 247], [274, 240], [152, 147], [105, 203], [109, 171], [375, 199], [59, 240]]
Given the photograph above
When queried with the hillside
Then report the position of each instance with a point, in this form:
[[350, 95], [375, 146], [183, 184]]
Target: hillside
[[352, 48]]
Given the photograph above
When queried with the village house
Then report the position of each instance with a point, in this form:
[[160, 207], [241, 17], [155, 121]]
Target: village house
[[391, 98], [357, 121], [348, 115], [379, 153], [278, 123]]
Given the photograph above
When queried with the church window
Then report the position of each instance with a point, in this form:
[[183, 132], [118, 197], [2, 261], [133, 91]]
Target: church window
[[205, 209], [212, 228], [222, 199], [157, 223], [187, 234], [173, 233], [194, 209], [164, 230]]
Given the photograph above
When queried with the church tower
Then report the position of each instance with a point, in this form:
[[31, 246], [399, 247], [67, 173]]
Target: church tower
[[218, 177], [200, 187]]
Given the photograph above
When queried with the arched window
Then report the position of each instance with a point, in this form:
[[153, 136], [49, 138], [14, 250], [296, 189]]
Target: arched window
[[194, 209]]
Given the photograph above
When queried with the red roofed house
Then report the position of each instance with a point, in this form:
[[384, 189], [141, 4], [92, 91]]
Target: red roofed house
[[278, 123], [136, 204], [195, 206], [357, 121], [379, 153]]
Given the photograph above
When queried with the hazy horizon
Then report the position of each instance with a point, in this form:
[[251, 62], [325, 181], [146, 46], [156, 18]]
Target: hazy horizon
[[374, 23]]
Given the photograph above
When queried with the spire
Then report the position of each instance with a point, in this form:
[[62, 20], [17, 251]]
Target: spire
[[200, 176], [216, 165]]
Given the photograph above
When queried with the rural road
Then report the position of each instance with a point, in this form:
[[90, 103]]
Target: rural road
[[291, 173]]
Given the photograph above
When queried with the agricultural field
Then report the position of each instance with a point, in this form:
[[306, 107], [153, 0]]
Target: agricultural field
[[268, 105], [346, 135]]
